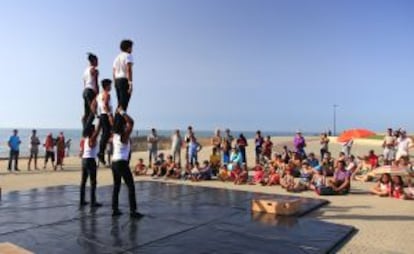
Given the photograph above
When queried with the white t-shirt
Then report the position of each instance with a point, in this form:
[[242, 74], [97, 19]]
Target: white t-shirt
[[403, 145], [120, 64], [121, 150], [89, 152], [101, 104], [89, 80]]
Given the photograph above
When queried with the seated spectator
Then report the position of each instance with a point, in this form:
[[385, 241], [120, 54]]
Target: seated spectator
[[205, 171], [159, 166], [172, 168], [318, 179], [383, 188], [352, 164], [288, 181], [258, 175], [410, 190], [306, 173], [397, 186], [341, 182], [313, 162], [363, 171], [241, 175], [195, 172], [328, 164], [223, 173], [215, 161], [140, 168], [273, 178]]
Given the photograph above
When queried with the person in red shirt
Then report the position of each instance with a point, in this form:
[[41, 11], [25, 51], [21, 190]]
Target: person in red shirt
[[49, 147], [267, 148], [373, 159]]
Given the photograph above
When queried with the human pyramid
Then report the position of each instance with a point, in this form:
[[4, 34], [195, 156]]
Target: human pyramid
[[119, 124]]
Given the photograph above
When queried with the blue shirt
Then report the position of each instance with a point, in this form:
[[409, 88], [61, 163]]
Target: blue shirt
[[14, 142]]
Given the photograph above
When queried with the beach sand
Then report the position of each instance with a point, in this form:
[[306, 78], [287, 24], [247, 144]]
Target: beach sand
[[384, 225]]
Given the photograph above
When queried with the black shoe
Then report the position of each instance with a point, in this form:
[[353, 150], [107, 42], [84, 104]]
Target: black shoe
[[96, 204], [116, 213], [83, 203], [16, 169], [136, 215]]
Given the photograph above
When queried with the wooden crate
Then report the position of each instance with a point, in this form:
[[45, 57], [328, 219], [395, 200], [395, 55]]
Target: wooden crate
[[9, 248], [276, 206]]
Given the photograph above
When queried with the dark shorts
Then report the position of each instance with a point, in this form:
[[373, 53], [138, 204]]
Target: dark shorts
[[50, 155]]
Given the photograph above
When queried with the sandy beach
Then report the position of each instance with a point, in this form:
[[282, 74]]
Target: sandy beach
[[384, 225]]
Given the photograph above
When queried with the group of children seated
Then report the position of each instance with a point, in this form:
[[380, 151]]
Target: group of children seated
[[388, 186], [326, 177]]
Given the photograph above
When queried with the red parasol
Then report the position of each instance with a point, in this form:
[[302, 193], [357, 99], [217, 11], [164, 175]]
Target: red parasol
[[354, 133]]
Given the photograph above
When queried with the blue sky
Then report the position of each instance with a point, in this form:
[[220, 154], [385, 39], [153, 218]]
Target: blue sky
[[243, 64]]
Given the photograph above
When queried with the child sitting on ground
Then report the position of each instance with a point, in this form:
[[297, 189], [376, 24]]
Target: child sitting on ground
[[140, 168], [398, 187], [288, 181], [383, 187], [195, 172], [205, 171], [259, 174], [241, 175], [223, 173], [273, 177], [306, 173], [173, 171], [410, 190], [215, 161], [318, 179]]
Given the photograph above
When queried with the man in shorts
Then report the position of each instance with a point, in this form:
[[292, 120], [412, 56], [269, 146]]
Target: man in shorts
[[34, 143]]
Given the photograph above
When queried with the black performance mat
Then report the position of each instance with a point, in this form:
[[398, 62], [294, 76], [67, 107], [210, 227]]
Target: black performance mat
[[179, 219]]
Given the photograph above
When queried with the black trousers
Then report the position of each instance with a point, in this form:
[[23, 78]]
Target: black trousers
[[106, 134], [88, 96], [88, 170], [121, 170], [14, 155], [122, 94]]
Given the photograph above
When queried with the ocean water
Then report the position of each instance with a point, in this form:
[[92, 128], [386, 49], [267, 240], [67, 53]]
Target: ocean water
[[75, 136]]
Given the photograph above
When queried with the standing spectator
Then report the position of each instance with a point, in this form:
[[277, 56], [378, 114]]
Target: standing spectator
[[267, 148], [347, 146], [49, 145], [324, 144], [68, 143], [14, 145], [258, 142], [404, 143], [187, 139], [34, 150], [226, 146], [300, 144], [60, 150], [389, 147], [193, 148], [216, 141], [122, 72], [241, 144], [152, 142], [176, 143], [91, 89]]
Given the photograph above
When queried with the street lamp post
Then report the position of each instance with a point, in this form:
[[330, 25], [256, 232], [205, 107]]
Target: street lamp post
[[334, 119]]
